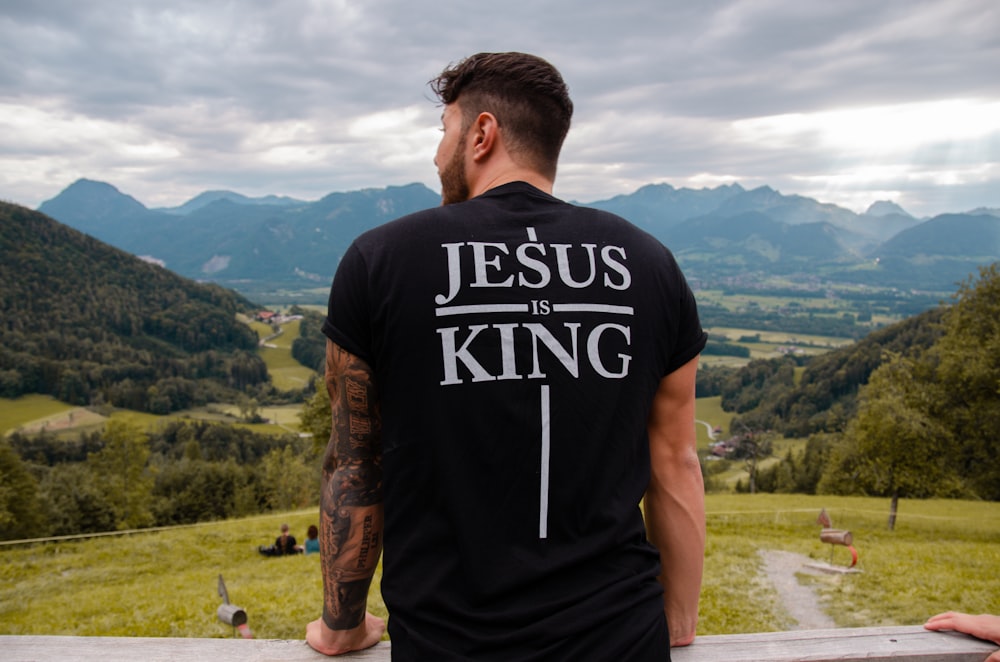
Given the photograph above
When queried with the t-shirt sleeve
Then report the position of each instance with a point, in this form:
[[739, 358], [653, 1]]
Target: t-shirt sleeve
[[691, 338], [348, 322]]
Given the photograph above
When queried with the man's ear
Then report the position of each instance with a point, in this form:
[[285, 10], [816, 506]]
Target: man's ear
[[486, 134]]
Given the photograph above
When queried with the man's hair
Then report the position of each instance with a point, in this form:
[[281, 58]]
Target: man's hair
[[525, 93]]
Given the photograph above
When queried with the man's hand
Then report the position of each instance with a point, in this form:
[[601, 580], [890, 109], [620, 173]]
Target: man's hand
[[336, 642], [984, 626], [681, 634]]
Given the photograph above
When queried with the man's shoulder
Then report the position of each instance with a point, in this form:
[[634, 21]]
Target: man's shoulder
[[617, 225], [401, 225]]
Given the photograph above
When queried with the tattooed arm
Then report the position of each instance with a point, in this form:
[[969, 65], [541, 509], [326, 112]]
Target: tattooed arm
[[350, 531]]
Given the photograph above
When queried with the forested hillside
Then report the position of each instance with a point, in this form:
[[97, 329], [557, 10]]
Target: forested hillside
[[910, 411], [766, 395], [91, 324]]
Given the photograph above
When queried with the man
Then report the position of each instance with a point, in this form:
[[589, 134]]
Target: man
[[509, 375]]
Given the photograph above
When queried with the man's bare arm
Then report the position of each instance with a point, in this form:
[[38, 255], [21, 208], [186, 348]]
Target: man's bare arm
[[675, 501], [351, 514]]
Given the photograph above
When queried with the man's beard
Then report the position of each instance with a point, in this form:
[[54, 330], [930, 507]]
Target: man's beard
[[454, 183]]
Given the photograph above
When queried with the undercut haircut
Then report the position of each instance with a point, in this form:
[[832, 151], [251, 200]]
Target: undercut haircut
[[526, 94]]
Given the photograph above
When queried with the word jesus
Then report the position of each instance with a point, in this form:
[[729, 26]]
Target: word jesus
[[531, 265]]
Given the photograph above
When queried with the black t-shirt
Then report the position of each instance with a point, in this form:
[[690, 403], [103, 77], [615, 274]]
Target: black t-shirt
[[285, 544], [517, 342]]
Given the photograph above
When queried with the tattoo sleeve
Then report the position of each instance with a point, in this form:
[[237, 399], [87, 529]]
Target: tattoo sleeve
[[351, 491]]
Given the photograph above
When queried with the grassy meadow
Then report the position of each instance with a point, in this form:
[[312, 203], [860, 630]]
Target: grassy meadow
[[942, 555], [32, 414], [287, 374]]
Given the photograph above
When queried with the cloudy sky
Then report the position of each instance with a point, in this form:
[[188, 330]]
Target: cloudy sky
[[848, 102]]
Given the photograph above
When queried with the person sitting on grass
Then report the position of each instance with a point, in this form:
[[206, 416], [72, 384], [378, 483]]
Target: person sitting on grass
[[312, 540], [283, 544]]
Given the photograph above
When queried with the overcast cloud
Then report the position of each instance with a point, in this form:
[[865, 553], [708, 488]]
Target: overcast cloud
[[848, 102]]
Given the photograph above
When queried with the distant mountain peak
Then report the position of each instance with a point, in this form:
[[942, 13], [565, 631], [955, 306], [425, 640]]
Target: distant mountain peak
[[984, 211], [766, 195], [660, 186], [96, 191], [213, 197], [885, 208], [86, 198]]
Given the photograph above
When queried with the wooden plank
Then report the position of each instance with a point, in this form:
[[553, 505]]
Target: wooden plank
[[895, 644], [154, 649], [899, 644]]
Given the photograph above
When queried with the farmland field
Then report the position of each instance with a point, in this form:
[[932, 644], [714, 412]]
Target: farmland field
[[768, 345], [69, 421], [38, 409], [287, 374]]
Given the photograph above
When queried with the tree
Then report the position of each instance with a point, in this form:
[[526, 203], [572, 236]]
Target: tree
[[309, 348], [249, 409], [901, 448], [247, 369], [126, 480], [315, 416], [194, 490], [288, 480], [20, 511], [968, 372], [751, 445], [75, 501]]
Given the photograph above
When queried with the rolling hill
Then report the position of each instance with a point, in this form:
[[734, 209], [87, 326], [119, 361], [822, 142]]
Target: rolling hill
[[86, 322]]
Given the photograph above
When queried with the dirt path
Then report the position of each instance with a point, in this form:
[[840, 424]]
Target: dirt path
[[709, 428], [799, 601]]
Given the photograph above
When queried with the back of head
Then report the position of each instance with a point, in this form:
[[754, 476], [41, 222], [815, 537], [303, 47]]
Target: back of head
[[525, 93]]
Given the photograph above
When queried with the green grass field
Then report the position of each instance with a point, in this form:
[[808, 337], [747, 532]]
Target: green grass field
[[287, 374], [771, 344], [709, 411], [943, 555], [26, 409], [70, 421]]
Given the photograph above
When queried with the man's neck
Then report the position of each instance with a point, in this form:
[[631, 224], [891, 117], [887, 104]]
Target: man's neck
[[509, 175]]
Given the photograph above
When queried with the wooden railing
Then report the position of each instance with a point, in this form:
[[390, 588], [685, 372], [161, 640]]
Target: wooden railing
[[899, 644]]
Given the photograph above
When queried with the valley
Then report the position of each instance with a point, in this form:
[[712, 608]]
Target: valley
[[115, 359]]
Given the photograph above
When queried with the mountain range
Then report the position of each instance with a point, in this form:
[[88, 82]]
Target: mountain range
[[270, 243]]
